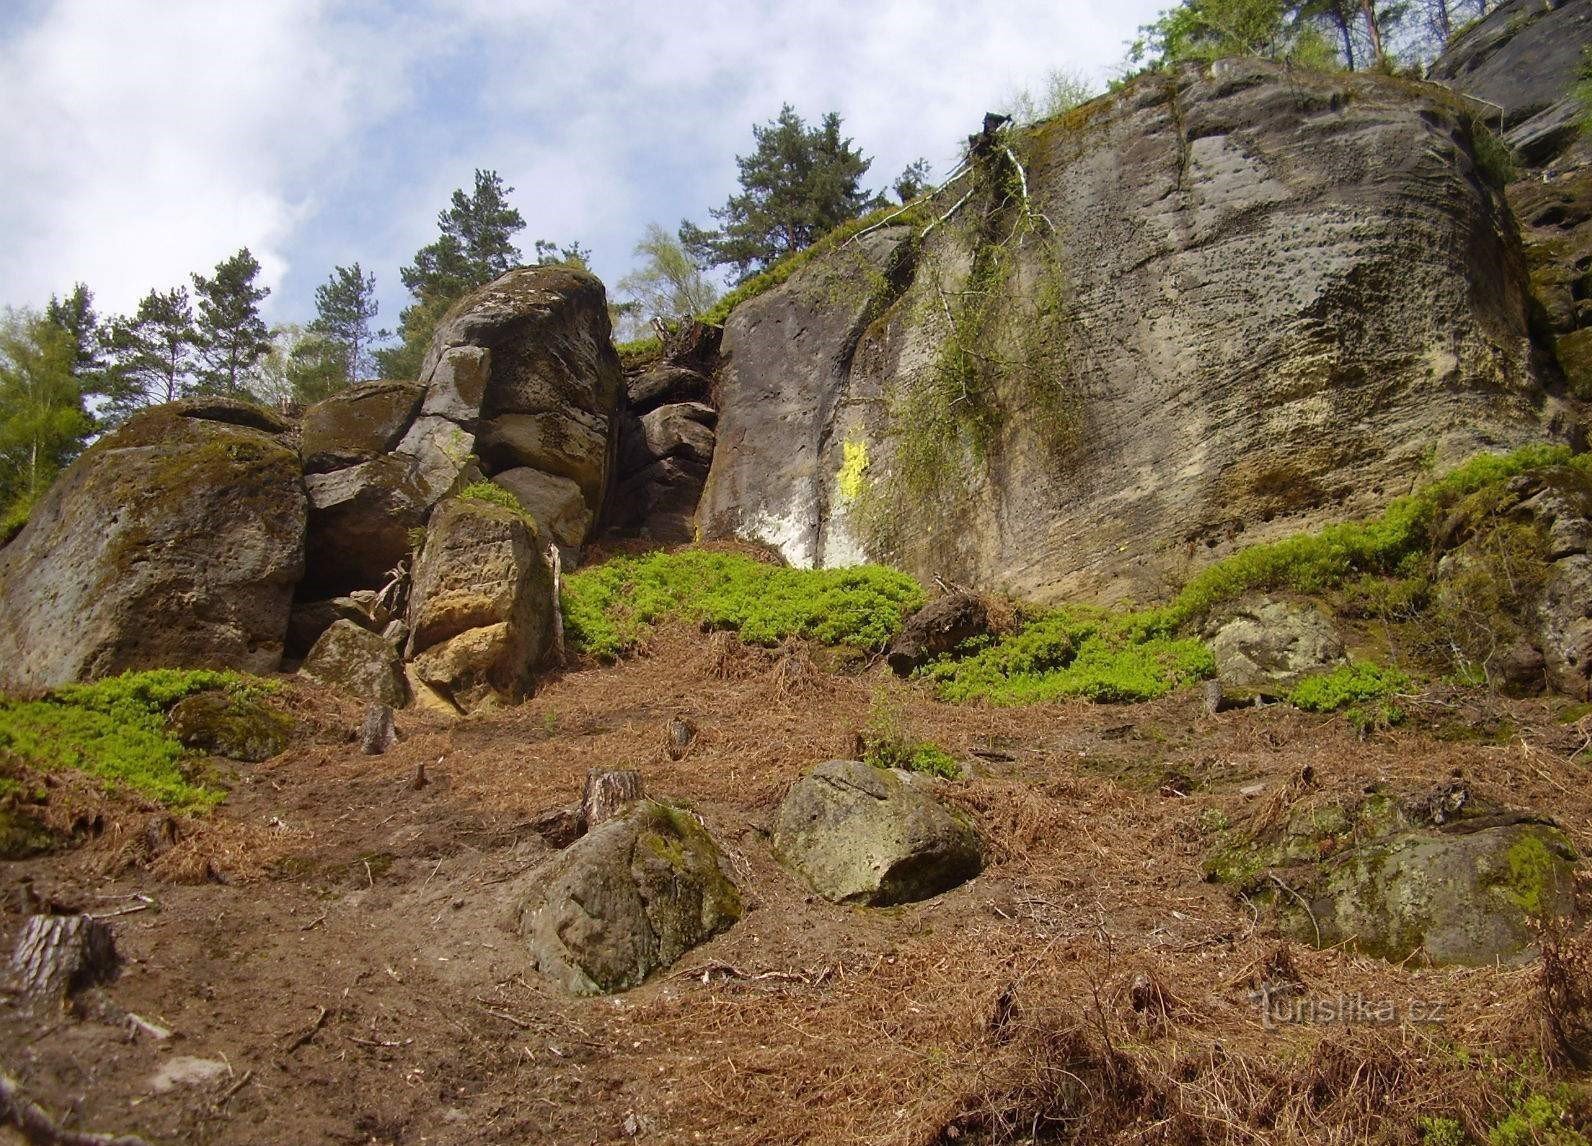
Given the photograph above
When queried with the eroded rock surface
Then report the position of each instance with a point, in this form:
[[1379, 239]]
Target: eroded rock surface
[[875, 837], [177, 540], [1275, 644], [626, 899], [1270, 300]]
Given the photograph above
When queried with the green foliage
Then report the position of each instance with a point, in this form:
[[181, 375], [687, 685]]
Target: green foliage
[[474, 246], [1494, 158], [1362, 691], [666, 284], [1077, 652], [43, 423], [608, 607], [492, 494], [115, 730], [1536, 1120], [230, 334], [639, 351], [798, 184], [1442, 1132], [1211, 29], [887, 742], [1061, 91], [345, 305], [1338, 554], [152, 354]]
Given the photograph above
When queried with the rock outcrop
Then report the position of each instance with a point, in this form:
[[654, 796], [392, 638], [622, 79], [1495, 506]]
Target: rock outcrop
[[358, 662], [1238, 303], [626, 899], [940, 627], [176, 540], [871, 836], [667, 436], [481, 602]]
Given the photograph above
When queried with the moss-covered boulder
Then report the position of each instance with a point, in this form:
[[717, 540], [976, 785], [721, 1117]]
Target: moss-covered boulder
[[357, 424], [873, 836], [626, 900], [224, 723], [1447, 897], [175, 541], [358, 662], [1271, 643]]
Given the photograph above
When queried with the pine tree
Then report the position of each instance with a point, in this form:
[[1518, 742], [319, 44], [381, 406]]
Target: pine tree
[[344, 306], [230, 335], [74, 316], [42, 420], [152, 353], [799, 183], [475, 245]]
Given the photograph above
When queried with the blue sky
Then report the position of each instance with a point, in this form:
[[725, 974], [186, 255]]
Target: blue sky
[[143, 139]]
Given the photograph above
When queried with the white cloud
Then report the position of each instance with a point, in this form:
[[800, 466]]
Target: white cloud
[[143, 139]]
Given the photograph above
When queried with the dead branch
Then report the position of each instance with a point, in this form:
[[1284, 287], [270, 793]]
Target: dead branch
[[39, 1128], [308, 1034]]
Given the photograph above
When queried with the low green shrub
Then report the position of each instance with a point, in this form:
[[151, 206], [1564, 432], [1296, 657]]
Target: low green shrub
[[115, 731], [1097, 655], [609, 607], [1362, 691], [887, 742], [1536, 1120]]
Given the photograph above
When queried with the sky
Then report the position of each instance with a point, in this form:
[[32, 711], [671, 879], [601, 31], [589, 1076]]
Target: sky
[[141, 140]]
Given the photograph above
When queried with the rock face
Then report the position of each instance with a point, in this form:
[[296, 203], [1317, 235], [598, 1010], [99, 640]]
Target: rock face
[[625, 900], [359, 662], [523, 371], [1524, 57], [175, 541], [1274, 643], [1267, 298], [362, 422], [1466, 898], [481, 602], [864, 835]]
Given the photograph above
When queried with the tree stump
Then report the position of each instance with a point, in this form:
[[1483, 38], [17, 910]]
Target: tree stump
[[378, 733], [607, 793], [59, 954]]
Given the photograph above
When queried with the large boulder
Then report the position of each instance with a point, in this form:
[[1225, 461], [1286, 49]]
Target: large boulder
[[1248, 302], [174, 541], [555, 503], [238, 727], [481, 601], [1269, 643], [625, 900], [663, 384], [360, 520], [864, 835], [1470, 897], [523, 374], [357, 424], [354, 660]]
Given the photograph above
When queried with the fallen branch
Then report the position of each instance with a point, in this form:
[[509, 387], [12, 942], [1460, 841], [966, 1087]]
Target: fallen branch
[[39, 1128], [306, 1036], [961, 170], [955, 207]]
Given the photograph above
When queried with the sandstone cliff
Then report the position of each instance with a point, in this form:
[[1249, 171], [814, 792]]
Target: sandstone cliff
[[1219, 306]]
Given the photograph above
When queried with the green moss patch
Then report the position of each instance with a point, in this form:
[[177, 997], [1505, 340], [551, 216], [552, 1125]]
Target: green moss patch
[[115, 731], [1363, 691], [608, 608]]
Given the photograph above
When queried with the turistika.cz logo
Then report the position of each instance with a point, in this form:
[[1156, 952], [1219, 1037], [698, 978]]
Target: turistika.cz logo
[[1277, 1010]]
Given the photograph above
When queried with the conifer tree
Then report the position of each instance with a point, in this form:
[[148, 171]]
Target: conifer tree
[[799, 183], [230, 335], [344, 306], [152, 353]]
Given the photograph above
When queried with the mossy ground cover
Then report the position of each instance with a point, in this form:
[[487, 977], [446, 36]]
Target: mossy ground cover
[[114, 731], [1143, 654], [608, 608]]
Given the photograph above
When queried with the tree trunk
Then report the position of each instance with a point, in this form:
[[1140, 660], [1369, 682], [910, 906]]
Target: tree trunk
[[1375, 32], [58, 954], [607, 794]]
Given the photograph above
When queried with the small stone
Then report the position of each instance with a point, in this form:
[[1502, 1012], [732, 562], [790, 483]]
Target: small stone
[[378, 733]]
